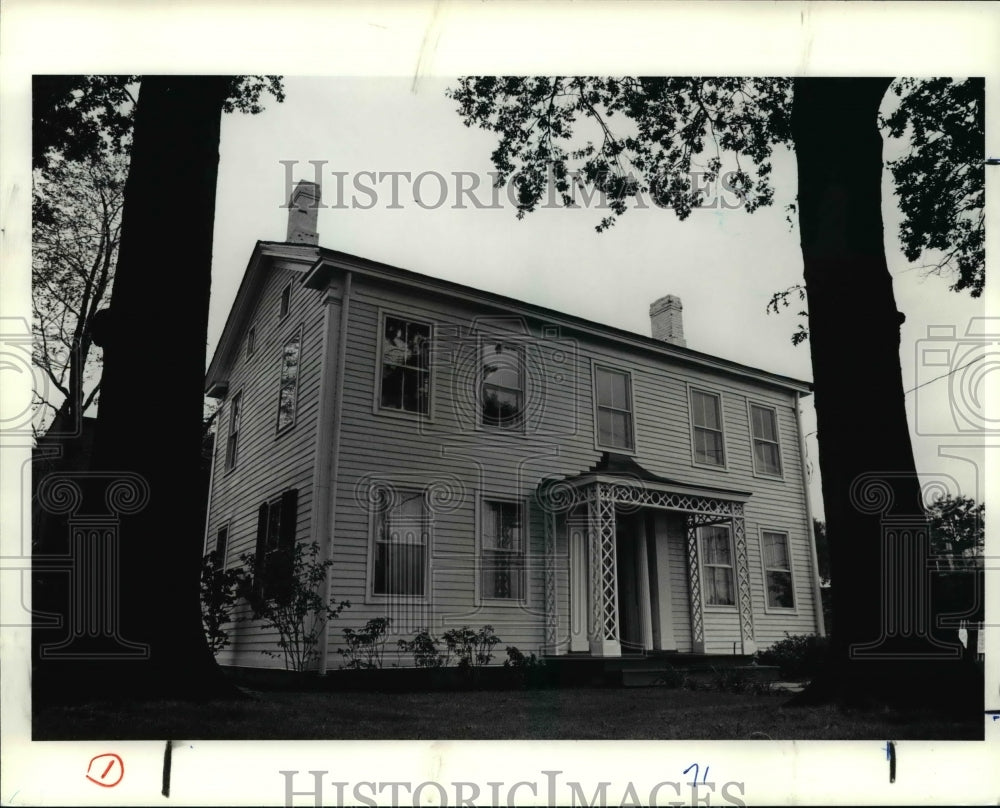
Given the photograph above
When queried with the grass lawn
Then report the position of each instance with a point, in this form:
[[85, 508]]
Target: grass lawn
[[580, 713]]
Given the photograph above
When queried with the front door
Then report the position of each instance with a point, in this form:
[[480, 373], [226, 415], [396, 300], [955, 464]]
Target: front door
[[634, 613]]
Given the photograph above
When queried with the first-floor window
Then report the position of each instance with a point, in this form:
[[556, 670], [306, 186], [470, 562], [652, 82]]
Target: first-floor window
[[401, 544], [777, 569], [503, 548], [275, 556], [717, 565], [222, 544]]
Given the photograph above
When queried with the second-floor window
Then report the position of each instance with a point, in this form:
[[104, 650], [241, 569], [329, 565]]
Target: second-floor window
[[233, 438], [503, 549], [401, 541], [706, 423], [289, 381], [614, 409], [405, 378], [502, 391], [764, 431], [717, 565]]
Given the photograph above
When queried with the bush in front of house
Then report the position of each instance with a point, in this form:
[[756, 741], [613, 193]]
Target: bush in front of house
[[524, 671], [218, 596], [424, 647], [474, 649], [365, 646], [799, 656], [291, 604]]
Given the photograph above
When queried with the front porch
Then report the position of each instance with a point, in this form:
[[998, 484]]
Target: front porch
[[631, 543]]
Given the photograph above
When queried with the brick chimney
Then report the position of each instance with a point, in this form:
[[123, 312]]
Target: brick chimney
[[666, 319], [303, 211]]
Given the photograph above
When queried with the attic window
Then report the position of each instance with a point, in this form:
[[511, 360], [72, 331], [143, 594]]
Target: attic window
[[286, 296], [251, 340]]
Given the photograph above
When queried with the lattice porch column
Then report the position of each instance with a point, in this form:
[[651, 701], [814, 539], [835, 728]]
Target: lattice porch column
[[604, 636], [744, 594], [551, 594], [694, 588]]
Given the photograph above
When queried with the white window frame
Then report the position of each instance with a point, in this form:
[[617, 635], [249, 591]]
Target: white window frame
[[371, 596], [377, 407], [594, 368], [482, 502], [520, 425], [724, 466], [759, 472], [703, 568], [793, 609], [298, 333], [232, 453]]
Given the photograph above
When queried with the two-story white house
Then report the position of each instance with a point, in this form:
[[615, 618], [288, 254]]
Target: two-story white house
[[465, 458]]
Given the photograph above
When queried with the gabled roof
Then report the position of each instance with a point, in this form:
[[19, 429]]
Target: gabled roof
[[321, 265], [264, 252]]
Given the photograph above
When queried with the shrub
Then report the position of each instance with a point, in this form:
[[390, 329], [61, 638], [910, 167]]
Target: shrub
[[218, 596], [295, 609], [365, 647], [799, 656], [425, 651], [524, 671], [474, 649]]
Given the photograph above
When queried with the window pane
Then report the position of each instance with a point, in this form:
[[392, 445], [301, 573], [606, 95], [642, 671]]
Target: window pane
[[768, 458], [715, 545], [288, 382], [619, 391], [399, 569], [708, 447], [775, 551], [392, 387], [502, 526], [414, 390], [502, 575], [604, 391], [763, 424], [706, 411], [779, 590], [719, 586]]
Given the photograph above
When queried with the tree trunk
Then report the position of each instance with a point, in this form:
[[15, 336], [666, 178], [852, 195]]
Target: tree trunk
[[150, 413], [876, 527]]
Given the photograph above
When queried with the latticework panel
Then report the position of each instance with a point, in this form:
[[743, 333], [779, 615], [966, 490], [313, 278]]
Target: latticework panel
[[639, 495], [694, 583], [743, 581], [551, 594], [603, 568]]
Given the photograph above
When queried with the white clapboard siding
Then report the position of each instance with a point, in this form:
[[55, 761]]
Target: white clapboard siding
[[449, 453]]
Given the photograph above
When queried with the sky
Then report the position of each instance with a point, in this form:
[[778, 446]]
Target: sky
[[724, 263]]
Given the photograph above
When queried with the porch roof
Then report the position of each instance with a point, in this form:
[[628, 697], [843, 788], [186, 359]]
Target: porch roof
[[620, 469]]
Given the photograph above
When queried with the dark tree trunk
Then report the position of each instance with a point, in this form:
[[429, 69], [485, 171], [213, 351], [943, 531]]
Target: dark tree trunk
[[882, 639], [150, 414]]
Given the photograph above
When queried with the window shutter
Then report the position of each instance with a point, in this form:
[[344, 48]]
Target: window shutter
[[261, 545], [284, 559]]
